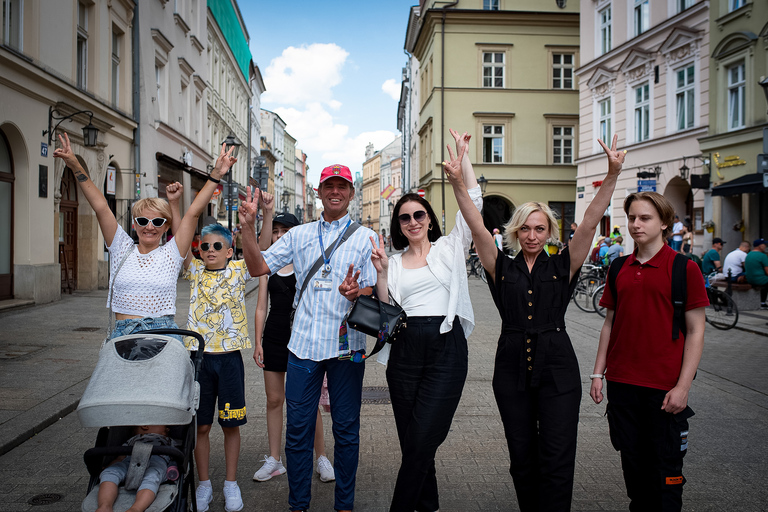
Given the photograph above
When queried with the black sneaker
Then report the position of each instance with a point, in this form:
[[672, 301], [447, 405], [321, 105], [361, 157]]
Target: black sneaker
[[763, 305]]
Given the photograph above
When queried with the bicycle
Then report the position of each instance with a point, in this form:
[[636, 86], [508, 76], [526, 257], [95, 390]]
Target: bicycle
[[475, 268], [587, 284], [596, 296], [722, 312]]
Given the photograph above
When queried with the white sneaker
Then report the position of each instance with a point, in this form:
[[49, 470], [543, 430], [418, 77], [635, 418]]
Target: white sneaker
[[233, 501], [325, 469], [270, 468], [203, 496]]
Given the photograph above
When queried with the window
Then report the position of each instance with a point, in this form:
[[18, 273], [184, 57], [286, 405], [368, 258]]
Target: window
[[641, 16], [685, 97], [82, 46], [490, 5], [605, 30], [605, 121], [493, 144], [642, 112], [11, 29], [493, 69], [562, 147], [117, 40], [562, 70], [735, 4], [684, 4], [162, 93], [736, 85]]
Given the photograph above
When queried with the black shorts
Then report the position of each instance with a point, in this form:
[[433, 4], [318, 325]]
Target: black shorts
[[222, 379]]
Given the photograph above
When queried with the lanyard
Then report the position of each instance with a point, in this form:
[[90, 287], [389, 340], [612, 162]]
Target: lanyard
[[327, 259]]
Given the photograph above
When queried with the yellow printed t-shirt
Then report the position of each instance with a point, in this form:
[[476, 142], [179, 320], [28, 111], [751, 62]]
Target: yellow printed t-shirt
[[217, 306]]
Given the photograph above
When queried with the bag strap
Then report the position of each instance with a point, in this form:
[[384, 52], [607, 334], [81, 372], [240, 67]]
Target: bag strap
[[354, 226], [679, 292], [613, 273], [110, 324]]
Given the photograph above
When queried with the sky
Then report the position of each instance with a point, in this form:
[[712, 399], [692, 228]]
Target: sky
[[332, 70]]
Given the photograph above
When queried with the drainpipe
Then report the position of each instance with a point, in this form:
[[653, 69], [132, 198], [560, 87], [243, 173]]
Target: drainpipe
[[136, 62], [442, 105]]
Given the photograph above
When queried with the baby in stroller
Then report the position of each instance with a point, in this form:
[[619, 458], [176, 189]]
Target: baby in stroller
[[157, 471]]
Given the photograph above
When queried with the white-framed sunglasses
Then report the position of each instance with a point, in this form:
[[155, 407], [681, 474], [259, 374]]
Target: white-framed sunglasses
[[158, 222]]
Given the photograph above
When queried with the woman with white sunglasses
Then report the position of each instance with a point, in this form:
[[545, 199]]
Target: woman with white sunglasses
[[143, 276]]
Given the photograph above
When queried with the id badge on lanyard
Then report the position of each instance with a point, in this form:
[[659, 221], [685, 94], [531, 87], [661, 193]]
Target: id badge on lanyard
[[324, 283]]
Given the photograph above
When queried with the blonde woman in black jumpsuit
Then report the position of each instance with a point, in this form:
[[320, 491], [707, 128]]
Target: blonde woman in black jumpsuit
[[536, 378]]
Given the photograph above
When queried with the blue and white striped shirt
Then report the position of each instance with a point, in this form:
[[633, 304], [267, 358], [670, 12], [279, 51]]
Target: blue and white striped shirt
[[316, 324]]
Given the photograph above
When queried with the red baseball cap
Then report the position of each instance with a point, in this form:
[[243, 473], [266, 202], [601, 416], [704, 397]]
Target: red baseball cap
[[336, 171]]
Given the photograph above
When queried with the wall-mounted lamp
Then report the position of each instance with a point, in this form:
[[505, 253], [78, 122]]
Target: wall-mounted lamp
[[483, 182], [764, 84], [684, 171], [90, 132]]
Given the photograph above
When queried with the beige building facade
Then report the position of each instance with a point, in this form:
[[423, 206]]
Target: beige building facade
[[504, 74], [55, 61], [645, 76], [371, 201]]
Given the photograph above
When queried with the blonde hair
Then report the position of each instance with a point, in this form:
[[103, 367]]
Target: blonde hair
[[660, 203], [152, 203], [521, 216]]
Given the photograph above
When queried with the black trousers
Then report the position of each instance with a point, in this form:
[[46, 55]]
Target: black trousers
[[541, 426], [426, 374], [652, 444]]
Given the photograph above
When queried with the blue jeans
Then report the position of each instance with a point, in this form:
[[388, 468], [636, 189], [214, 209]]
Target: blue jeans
[[134, 325], [304, 380], [676, 244]]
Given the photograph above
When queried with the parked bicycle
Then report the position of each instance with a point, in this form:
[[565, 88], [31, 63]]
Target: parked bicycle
[[722, 312], [475, 268], [592, 277]]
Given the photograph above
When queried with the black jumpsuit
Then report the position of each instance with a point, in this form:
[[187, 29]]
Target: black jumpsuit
[[536, 378]]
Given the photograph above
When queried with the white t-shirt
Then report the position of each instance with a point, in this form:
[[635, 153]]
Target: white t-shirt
[[735, 262], [422, 293], [677, 228], [499, 241]]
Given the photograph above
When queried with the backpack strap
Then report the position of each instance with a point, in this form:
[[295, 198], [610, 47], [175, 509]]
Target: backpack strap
[[679, 294], [613, 273]]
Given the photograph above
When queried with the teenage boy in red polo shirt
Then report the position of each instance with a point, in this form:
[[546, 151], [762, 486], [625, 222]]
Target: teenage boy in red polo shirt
[[649, 373]]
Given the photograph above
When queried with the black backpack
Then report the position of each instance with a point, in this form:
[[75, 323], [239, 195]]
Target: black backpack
[[679, 289]]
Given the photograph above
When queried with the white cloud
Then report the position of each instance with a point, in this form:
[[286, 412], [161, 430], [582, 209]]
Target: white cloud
[[305, 74], [392, 88]]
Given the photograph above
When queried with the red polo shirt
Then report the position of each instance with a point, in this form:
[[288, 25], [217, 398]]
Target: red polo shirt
[[641, 350]]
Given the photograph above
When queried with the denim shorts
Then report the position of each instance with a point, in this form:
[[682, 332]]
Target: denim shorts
[[134, 325]]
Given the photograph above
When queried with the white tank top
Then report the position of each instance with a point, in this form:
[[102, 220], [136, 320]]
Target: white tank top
[[422, 294]]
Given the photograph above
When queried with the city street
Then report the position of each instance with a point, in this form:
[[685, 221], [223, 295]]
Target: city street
[[45, 362]]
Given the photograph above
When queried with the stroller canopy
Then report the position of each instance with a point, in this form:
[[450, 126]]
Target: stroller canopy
[[140, 379]]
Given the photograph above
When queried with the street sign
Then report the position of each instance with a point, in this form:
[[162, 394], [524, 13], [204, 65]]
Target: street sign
[[646, 185], [421, 192], [43, 149]]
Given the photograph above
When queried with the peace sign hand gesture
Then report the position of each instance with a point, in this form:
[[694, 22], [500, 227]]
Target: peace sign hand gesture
[[350, 288], [224, 162], [615, 157], [453, 167], [379, 256], [249, 208], [65, 151]]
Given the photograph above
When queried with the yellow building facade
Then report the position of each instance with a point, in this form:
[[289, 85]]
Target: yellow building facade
[[503, 72]]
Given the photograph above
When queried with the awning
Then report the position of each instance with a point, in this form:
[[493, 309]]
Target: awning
[[177, 164], [747, 184]]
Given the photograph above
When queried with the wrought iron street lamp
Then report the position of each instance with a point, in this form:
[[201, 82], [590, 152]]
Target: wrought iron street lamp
[[90, 132], [684, 171], [229, 143], [483, 182], [286, 197]]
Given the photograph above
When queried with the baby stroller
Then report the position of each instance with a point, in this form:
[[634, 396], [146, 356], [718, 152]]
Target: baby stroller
[[145, 378]]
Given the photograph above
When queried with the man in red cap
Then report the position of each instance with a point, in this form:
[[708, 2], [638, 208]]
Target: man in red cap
[[328, 256]]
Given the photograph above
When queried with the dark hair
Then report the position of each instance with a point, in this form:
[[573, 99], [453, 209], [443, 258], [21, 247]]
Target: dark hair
[[399, 241]]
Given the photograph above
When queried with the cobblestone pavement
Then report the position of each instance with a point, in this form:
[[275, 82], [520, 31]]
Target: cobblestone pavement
[[726, 465]]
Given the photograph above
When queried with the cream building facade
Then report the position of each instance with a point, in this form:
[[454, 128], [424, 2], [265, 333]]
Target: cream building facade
[[645, 76], [504, 74], [371, 200], [67, 57]]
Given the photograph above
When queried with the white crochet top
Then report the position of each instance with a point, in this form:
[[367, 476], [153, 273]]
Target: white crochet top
[[146, 283]]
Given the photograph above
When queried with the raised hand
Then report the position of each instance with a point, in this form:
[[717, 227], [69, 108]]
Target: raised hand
[[615, 157], [249, 208], [224, 162], [65, 151], [173, 191], [379, 256], [267, 202], [453, 167], [350, 288], [462, 141]]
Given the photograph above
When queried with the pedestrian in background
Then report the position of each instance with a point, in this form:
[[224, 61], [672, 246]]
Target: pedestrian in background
[[733, 264], [429, 362], [315, 348], [143, 289], [273, 333], [711, 260], [615, 250], [649, 366], [536, 378], [498, 239], [677, 235], [756, 269]]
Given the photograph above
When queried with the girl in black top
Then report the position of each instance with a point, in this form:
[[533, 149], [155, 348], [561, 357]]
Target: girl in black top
[[536, 378], [271, 353]]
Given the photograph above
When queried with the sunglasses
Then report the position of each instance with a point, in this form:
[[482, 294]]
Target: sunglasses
[[157, 221], [217, 246], [418, 216]]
